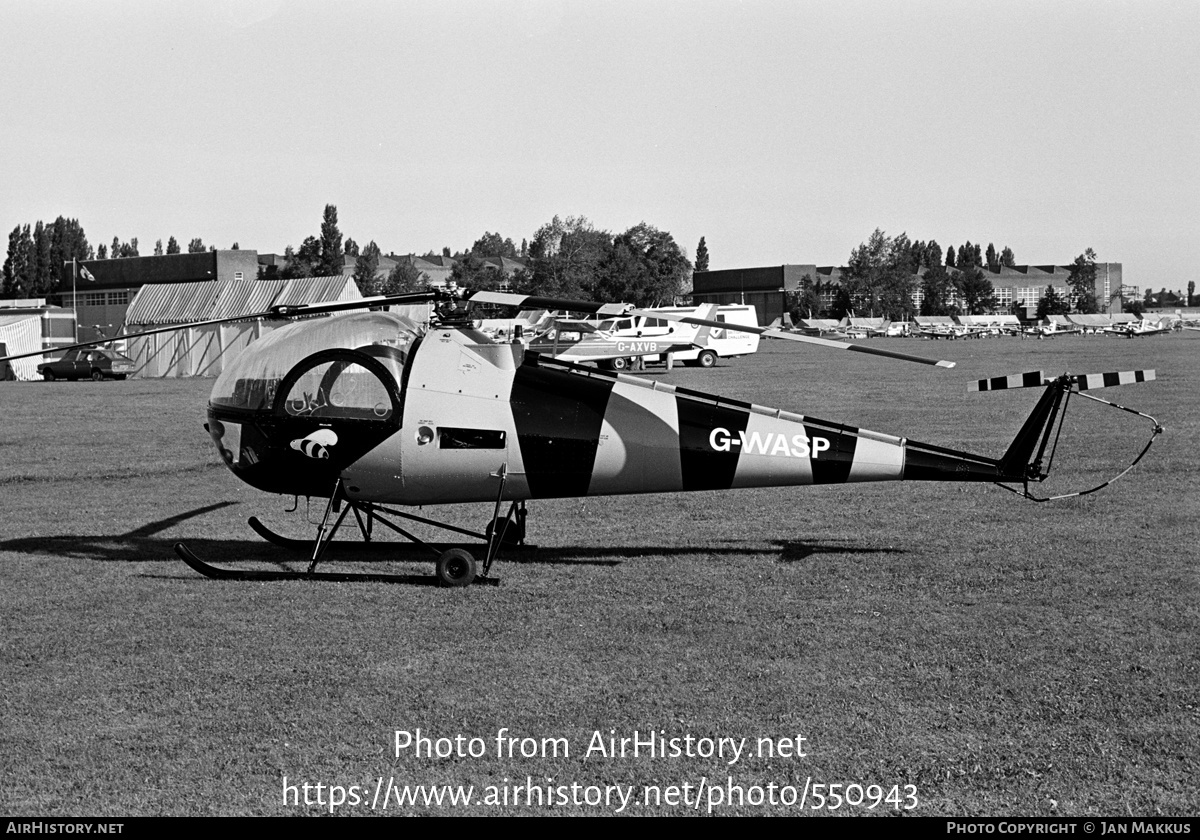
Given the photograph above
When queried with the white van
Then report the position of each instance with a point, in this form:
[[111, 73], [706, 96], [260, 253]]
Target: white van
[[712, 344]]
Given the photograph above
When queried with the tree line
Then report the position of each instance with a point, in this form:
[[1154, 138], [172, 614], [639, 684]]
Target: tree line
[[570, 258], [36, 254], [566, 258], [884, 273]]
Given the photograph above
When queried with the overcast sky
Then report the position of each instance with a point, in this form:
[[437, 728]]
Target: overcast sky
[[782, 132]]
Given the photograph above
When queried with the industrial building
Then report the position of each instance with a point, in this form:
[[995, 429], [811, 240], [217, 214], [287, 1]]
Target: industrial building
[[100, 291]]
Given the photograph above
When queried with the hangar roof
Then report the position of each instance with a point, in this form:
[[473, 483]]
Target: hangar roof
[[162, 304]]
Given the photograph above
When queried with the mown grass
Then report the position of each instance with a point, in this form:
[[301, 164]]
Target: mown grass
[[1004, 657]]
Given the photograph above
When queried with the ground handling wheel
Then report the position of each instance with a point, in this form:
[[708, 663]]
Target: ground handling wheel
[[456, 567]]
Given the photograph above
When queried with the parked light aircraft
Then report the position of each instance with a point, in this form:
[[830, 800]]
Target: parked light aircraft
[[374, 412], [1050, 329], [1135, 329], [951, 331], [584, 341]]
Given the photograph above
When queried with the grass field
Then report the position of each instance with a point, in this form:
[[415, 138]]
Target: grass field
[[1001, 657]]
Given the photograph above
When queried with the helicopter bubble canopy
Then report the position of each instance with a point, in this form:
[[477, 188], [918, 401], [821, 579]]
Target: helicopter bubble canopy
[[250, 382]]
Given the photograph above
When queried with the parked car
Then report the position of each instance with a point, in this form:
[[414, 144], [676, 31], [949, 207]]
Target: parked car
[[88, 363]]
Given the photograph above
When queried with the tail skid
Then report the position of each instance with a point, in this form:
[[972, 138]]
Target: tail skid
[[1031, 454]]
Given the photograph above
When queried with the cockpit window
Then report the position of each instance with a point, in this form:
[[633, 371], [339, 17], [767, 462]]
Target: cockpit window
[[340, 389], [252, 381]]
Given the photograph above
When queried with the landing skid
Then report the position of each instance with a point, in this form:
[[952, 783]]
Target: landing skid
[[220, 573], [454, 566], [299, 546]]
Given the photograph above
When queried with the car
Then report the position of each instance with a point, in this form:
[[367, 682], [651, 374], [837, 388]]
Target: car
[[88, 363]]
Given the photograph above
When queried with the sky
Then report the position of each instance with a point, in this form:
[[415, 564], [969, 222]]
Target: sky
[[781, 132]]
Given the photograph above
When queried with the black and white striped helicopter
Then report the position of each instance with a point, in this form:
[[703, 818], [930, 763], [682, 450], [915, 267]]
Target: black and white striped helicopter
[[374, 412]]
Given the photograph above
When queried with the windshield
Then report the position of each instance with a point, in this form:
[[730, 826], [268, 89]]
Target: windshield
[[251, 381]]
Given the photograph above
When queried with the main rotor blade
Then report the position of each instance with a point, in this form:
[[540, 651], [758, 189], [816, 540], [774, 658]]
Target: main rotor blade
[[275, 312], [531, 302], [127, 336], [534, 302], [362, 303]]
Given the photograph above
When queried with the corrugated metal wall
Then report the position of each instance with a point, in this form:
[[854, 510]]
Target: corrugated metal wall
[[205, 351]]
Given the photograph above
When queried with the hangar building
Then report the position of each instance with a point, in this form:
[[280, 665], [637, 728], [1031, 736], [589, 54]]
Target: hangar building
[[207, 350], [767, 288], [103, 289]]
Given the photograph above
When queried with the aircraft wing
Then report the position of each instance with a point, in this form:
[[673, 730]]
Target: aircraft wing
[[596, 350]]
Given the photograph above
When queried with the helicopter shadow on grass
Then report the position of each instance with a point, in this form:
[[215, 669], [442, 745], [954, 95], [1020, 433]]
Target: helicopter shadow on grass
[[145, 544]]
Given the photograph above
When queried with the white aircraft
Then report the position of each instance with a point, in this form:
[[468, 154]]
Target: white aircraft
[[1137, 328], [1050, 329]]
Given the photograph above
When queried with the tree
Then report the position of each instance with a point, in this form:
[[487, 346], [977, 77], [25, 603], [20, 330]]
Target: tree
[[471, 272], [950, 257], [879, 277], [1052, 303], [102, 252], [158, 248], [15, 265], [234, 247], [643, 266], [932, 256], [404, 278], [1007, 257], [45, 277], [1082, 281], [978, 293], [864, 270], [806, 302], [1191, 292], [702, 256], [67, 242], [842, 305], [172, 246], [365, 267], [968, 256], [993, 260], [939, 291], [303, 263], [351, 248], [332, 257], [564, 256], [196, 246], [493, 245]]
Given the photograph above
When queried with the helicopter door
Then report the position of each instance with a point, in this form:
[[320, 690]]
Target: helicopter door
[[457, 463], [332, 409]]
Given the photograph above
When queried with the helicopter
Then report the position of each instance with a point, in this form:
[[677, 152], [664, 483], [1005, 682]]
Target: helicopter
[[374, 412]]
